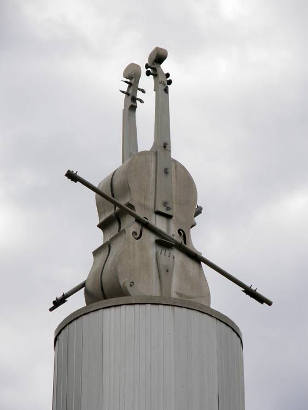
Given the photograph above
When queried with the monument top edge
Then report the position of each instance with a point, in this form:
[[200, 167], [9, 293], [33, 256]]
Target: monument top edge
[[154, 300]]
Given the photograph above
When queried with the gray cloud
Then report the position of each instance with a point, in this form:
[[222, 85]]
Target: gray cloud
[[238, 107]]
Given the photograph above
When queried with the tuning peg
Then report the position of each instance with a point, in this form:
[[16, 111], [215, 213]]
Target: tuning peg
[[148, 66], [124, 92], [141, 90], [149, 72], [134, 99], [167, 75], [127, 82], [169, 82], [198, 211]]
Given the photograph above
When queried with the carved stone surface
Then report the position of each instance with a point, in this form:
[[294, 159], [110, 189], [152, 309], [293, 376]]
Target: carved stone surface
[[133, 261], [123, 258]]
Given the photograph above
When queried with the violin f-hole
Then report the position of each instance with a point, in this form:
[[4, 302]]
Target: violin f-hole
[[137, 235], [182, 234]]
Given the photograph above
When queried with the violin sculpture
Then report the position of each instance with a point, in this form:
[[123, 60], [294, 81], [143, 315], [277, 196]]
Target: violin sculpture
[[132, 260]]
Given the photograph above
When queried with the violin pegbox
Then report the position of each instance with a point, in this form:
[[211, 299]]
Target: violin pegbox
[[132, 74], [153, 67]]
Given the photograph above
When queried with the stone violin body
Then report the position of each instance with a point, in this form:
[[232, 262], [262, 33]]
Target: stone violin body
[[146, 209], [132, 260]]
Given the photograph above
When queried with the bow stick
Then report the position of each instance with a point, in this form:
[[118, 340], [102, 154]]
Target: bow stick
[[248, 290]]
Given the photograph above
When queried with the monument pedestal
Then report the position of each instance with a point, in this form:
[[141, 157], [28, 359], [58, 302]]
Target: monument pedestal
[[148, 353]]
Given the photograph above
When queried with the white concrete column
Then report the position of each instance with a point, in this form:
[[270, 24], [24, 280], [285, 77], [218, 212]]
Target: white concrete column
[[148, 353]]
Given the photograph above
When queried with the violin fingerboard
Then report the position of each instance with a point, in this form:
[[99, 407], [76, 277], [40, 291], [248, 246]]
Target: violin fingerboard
[[163, 184]]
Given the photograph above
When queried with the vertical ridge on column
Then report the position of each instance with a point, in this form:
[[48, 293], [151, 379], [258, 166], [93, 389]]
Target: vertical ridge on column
[[64, 347], [142, 358], [55, 373], [106, 359], [168, 358], [59, 373], [114, 394], [78, 357], [156, 360], [136, 356], [92, 366], [206, 362], [122, 358], [71, 361], [241, 373], [180, 352], [148, 357], [229, 373], [189, 375], [129, 374], [195, 355], [160, 332]]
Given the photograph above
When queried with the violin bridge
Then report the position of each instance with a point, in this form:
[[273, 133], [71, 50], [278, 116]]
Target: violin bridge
[[165, 265]]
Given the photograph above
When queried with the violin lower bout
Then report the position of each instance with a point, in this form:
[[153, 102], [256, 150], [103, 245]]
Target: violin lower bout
[[126, 266]]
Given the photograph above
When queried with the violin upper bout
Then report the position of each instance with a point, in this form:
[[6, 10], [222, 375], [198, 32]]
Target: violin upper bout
[[184, 196]]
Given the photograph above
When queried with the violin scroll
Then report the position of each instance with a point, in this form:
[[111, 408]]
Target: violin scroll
[[132, 73], [157, 56]]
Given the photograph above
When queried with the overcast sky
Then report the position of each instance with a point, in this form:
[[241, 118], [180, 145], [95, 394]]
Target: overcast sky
[[238, 107]]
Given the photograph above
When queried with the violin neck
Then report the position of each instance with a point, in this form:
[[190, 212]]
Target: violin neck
[[129, 133], [162, 121], [132, 74], [162, 145]]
